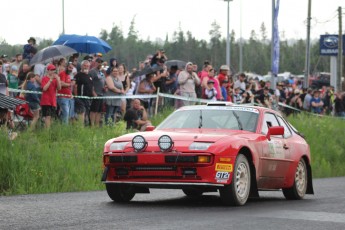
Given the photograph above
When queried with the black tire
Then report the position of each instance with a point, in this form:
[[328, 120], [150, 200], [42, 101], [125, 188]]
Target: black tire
[[299, 188], [120, 193], [192, 192], [237, 193]]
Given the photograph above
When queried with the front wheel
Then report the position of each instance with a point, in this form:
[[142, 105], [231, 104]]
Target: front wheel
[[299, 188], [120, 193], [237, 193]]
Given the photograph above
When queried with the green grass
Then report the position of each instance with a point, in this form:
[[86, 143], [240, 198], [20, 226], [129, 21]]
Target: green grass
[[325, 136], [69, 158]]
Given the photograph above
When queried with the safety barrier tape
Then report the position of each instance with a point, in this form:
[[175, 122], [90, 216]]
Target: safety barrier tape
[[141, 96]]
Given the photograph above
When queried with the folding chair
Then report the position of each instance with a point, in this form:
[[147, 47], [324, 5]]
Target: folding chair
[[22, 115]]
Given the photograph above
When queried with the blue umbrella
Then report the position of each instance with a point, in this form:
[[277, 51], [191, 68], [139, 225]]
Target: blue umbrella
[[64, 38], [84, 44]]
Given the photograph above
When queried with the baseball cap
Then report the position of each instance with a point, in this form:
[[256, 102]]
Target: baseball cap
[[51, 67], [14, 68], [224, 67], [99, 60]]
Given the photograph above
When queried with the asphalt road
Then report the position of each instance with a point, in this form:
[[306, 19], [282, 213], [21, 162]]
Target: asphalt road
[[170, 209]]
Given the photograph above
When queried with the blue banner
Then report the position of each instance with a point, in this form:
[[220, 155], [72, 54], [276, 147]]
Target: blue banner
[[275, 61]]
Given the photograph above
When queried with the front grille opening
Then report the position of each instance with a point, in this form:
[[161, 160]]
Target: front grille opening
[[154, 168], [181, 159]]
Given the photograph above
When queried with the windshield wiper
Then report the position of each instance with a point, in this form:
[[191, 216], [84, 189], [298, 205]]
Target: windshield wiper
[[200, 119], [240, 126]]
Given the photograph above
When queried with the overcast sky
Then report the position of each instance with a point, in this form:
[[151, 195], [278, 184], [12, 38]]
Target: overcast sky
[[158, 18]]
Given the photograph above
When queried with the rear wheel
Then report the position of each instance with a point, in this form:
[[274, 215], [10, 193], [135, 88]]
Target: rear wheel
[[120, 193], [299, 188], [237, 193], [192, 192]]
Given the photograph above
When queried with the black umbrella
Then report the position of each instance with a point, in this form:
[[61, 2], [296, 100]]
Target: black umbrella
[[180, 64], [148, 70], [51, 52]]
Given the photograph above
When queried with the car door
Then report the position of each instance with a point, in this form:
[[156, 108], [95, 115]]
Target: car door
[[275, 156]]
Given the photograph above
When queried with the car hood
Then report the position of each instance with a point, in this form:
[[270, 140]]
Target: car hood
[[199, 135]]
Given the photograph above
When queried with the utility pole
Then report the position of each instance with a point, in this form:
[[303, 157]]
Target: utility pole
[[241, 43], [307, 49], [63, 16], [272, 46], [228, 44], [340, 52]]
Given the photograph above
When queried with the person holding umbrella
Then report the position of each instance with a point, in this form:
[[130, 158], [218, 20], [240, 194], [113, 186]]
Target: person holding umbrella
[[29, 49], [50, 83]]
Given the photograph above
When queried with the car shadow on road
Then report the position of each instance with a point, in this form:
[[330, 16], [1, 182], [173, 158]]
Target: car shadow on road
[[206, 200]]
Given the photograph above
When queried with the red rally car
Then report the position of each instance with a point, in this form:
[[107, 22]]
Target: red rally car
[[236, 150]]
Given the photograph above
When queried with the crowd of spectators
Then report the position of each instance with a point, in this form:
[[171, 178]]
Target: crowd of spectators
[[89, 89]]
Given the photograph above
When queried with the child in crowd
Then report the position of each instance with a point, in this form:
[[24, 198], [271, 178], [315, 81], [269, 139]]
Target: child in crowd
[[210, 91]]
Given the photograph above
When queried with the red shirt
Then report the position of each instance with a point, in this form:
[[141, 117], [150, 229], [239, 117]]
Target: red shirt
[[221, 78], [64, 77], [49, 96]]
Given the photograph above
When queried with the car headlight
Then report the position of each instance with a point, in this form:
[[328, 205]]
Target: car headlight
[[139, 143], [118, 146], [165, 143], [200, 145]]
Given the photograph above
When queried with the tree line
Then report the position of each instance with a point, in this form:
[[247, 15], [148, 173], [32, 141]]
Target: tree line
[[130, 49]]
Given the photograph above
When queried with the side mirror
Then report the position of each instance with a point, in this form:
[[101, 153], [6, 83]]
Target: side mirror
[[275, 130], [150, 128]]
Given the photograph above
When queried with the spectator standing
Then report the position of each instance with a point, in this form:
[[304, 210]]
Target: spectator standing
[[3, 82], [204, 84], [39, 71], [224, 89], [296, 101], [237, 97], [240, 83], [112, 63], [29, 49], [280, 93], [32, 98], [307, 99], [316, 103], [18, 61], [327, 102], [98, 80], [84, 88], [223, 73], [13, 81], [23, 73], [187, 80], [211, 91], [339, 105], [124, 78], [264, 99], [205, 70], [114, 88], [50, 84], [146, 87], [65, 99], [171, 81]]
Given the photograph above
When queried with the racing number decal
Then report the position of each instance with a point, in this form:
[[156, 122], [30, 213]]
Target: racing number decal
[[222, 175]]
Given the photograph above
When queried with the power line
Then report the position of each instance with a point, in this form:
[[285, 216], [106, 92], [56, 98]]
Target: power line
[[324, 22]]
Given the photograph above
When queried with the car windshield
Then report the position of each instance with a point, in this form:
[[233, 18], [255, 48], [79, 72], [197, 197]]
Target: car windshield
[[234, 118]]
